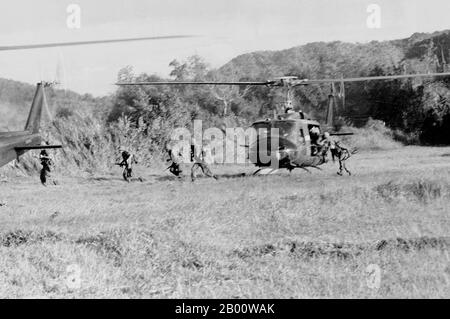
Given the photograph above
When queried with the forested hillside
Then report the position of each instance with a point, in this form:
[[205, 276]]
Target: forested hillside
[[419, 107]]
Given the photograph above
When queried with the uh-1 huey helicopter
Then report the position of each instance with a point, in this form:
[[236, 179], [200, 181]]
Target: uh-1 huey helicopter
[[297, 135], [15, 144]]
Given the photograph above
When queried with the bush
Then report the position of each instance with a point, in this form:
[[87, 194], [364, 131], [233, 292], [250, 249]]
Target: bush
[[373, 136]]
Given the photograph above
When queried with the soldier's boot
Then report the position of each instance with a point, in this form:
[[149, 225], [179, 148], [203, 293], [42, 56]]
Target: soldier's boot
[[345, 168]]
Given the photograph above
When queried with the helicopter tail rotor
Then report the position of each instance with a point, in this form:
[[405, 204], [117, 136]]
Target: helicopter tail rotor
[[332, 106], [342, 93]]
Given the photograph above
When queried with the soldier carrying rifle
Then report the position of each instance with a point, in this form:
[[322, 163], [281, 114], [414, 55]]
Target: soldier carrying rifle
[[46, 163], [126, 161]]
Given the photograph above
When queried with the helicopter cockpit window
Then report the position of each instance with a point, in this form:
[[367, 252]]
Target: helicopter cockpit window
[[261, 130], [285, 129]]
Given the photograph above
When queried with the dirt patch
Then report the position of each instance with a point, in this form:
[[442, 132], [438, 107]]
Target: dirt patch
[[344, 251], [21, 237]]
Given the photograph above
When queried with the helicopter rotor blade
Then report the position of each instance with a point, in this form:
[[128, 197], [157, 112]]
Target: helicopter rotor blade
[[290, 82], [75, 43], [191, 83], [372, 78]]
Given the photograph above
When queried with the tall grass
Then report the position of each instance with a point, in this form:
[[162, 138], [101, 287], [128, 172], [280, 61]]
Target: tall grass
[[91, 146]]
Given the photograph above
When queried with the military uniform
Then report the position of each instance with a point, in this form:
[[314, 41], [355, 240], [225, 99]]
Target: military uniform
[[200, 157], [338, 151], [127, 162], [342, 153], [46, 163], [325, 144]]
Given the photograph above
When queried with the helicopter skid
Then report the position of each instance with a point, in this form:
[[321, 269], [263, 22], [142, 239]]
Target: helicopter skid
[[266, 171]]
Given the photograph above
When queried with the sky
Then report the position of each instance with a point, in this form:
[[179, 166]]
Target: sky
[[225, 29]]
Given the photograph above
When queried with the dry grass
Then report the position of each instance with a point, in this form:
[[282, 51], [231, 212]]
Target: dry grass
[[278, 236]]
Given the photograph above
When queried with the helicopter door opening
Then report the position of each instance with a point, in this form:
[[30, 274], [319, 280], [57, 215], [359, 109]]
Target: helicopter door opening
[[314, 135]]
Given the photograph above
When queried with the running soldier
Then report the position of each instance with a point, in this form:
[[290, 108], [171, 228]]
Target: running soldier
[[337, 150], [46, 163], [127, 162], [200, 160], [342, 153]]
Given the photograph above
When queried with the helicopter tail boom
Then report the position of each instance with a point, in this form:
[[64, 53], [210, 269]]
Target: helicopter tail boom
[[34, 117]]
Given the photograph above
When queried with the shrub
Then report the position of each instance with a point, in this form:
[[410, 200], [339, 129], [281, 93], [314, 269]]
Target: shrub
[[373, 136]]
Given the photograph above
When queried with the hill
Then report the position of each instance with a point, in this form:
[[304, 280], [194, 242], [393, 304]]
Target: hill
[[419, 107], [417, 53], [16, 98]]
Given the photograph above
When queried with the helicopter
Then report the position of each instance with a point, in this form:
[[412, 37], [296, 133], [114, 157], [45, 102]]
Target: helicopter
[[15, 144], [298, 134]]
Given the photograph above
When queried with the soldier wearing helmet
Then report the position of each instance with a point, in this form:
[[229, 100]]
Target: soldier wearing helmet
[[126, 161], [46, 163]]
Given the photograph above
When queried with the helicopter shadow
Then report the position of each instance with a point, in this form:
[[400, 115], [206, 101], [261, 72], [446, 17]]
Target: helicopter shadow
[[113, 179], [168, 178]]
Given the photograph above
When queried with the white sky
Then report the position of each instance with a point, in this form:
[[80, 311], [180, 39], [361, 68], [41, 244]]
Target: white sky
[[227, 28]]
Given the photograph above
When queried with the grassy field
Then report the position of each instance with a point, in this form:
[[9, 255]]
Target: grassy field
[[279, 236]]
